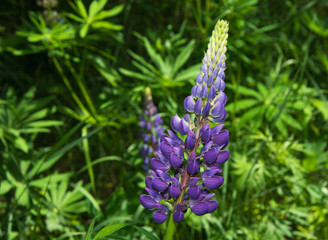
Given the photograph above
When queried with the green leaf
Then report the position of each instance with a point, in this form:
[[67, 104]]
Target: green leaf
[[109, 13], [106, 25], [244, 91], [291, 121], [45, 123], [34, 37], [106, 231], [21, 144], [93, 9], [146, 233], [282, 127], [74, 17], [81, 9], [90, 229], [241, 105], [141, 60], [88, 196], [154, 56], [5, 186], [263, 89], [251, 115], [183, 56], [321, 106], [84, 30], [135, 75]]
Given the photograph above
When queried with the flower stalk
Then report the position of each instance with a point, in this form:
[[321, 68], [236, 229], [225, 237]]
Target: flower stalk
[[184, 171]]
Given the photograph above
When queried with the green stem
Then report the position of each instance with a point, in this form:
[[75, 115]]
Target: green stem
[[170, 229]]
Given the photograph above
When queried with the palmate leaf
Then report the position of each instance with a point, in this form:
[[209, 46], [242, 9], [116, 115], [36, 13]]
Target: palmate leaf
[[157, 59], [142, 61], [183, 56]]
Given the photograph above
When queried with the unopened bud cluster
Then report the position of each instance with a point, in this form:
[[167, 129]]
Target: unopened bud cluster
[[185, 170], [150, 124]]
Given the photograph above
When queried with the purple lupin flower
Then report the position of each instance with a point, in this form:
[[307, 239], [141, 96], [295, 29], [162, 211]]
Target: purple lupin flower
[[185, 171], [151, 127]]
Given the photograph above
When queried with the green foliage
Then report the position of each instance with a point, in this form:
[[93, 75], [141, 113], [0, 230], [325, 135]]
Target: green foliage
[[72, 77]]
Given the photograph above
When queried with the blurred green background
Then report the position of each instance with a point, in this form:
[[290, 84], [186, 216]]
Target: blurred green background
[[72, 81]]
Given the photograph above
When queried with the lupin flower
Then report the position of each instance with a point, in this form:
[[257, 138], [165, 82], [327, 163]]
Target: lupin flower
[[151, 131], [185, 171]]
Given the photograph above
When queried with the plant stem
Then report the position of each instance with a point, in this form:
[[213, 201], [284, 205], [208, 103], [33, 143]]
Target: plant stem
[[170, 229]]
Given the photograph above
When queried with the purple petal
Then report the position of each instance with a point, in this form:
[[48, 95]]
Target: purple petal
[[211, 94], [198, 107], [222, 138], [175, 182], [198, 91], [206, 147], [178, 216], [223, 157], [205, 78], [217, 84], [208, 196], [178, 207], [183, 127], [217, 129], [193, 182], [189, 104], [164, 176], [221, 118], [212, 206], [203, 68], [210, 79], [206, 136], [217, 110], [194, 90], [194, 192], [174, 192], [204, 91], [221, 75], [176, 162], [206, 109], [222, 98], [159, 184], [163, 159], [175, 137], [175, 122], [200, 208], [190, 140], [157, 164], [148, 181], [166, 149], [210, 172], [162, 208], [179, 152], [159, 217], [193, 167], [212, 183], [199, 78], [155, 195], [147, 201], [210, 156]]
